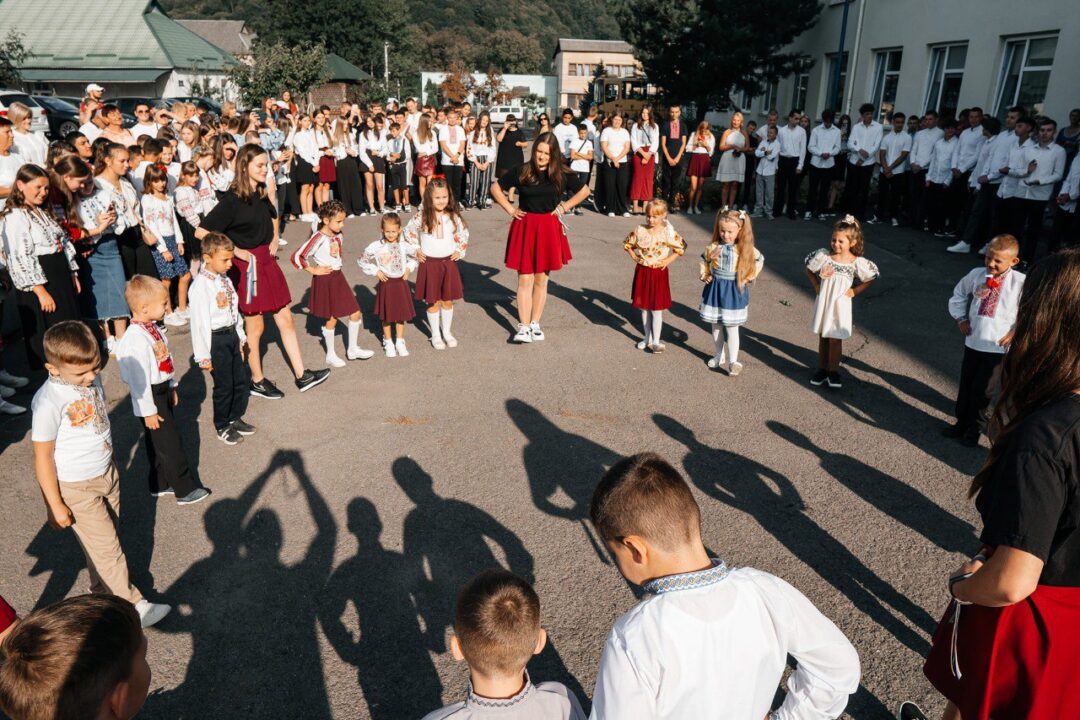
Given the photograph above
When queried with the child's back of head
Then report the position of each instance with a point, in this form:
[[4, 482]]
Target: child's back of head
[[497, 623], [71, 660]]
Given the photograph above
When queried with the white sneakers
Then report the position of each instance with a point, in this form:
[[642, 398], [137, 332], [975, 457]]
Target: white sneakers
[[523, 335], [359, 353], [959, 247], [642, 345], [402, 351], [389, 349], [734, 369], [437, 343], [982, 250], [6, 392], [174, 319], [715, 362], [7, 408], [151, 613], [537, 333], [14, 381]]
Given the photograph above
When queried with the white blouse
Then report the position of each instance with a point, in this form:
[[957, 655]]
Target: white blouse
[[393, 259], [160, 218], [307, 147], [617, 140], [449, 236], [127, 204], [702, 145], [427, 148], [645, 136], [32, 146], [27, 235]]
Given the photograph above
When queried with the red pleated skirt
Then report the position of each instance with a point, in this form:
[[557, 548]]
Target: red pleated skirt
[[327, 169], [641, 180], [265, 289], [537, 244], [331, 296], [651, 289], [1020, 662], [424, 166], [438, 279], [393, 301], [700, 165]]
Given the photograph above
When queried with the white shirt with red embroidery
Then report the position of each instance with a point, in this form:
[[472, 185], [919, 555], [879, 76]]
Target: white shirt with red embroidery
[[320, 250], [990, 307], [214, 304], [449, 235], [145, 360], [76, 418]]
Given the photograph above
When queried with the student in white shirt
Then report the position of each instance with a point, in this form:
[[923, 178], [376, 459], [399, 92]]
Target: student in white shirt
[[707, 636], [480, 149], [565, 133], [581, 157], [1066, 232], [792, 139], [615, 144], [306, 172], [700, 147], [768, 155], [10, 160], [452, 157], [922, 148], [984, 183], [864, 141], [967, 155], [770, 122], [892, 182], [645, 144], [823, 148], [144, 123], [939, 177], [1036, 168]]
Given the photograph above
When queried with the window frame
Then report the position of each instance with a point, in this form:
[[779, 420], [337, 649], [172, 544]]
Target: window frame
[[932, 99], [1001, 105], [800, 86], [880, 79], [845, 61]]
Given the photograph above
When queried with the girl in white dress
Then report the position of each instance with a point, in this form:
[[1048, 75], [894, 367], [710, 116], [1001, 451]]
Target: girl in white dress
[[834, 273], [734, 144]]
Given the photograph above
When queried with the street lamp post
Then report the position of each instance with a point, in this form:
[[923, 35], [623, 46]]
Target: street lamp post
[[839, 59], [386, 66]]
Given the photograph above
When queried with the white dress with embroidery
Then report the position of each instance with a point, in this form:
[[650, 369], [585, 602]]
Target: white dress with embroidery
[[832, 309]]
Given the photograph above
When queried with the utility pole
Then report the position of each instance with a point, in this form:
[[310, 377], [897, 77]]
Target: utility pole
[[386, 64], [839, 60]]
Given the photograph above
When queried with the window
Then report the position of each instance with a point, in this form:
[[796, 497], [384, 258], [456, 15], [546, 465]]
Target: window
[[573, 70], [946, 73], [745, 102], [1025, 73], [769, 99], [886, 80], [799, 89], [837, 85]]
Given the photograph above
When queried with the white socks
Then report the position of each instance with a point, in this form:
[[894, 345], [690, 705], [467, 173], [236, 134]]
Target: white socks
[[652, 322], [433, 323], [447, 315], [331, 355], [354, 335], [646, 327], [718, 339], [732, 343], [657, 325]]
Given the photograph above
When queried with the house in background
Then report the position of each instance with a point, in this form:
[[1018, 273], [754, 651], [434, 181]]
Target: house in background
[[131, 47], [343, 83], [574, 64], [232, 36]]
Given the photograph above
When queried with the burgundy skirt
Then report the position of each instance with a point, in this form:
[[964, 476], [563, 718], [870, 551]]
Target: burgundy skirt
[[262, 289], [537, 244], [331, 296], [641, 182], [1017, 662], [327, 169], [438, 279], [424, 166], [700, 165], [651, 289], [393, 301]]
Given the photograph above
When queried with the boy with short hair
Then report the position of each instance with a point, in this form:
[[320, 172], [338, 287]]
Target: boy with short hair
[[892, 182], [496, 631], [73, 459], [146, 365], [397, 156], [709, 636], [984, 305], [218, 340], [84, 657], [768, 155], [581, 157]]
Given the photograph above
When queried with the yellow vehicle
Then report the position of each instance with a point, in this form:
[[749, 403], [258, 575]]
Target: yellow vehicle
[[626, 95]]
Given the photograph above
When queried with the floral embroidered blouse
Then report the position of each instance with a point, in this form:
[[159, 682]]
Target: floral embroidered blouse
[[393, 259], [28, 234], [652, 248]]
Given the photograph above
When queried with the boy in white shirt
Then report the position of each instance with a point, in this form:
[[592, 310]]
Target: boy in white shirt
[[218, 340], [566, 132], [922, 149], [864, 141], [768, 155], [146, 365], [496, 632], [892, 182], [984, 305], [1036, 168], [1066, 232], [581, 157], [708, 636], [74, 461], [823, 148], [452, 157]]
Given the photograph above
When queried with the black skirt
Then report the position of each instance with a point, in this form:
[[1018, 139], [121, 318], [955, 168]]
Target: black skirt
[[350, 191], [35, 321], [302, 173]]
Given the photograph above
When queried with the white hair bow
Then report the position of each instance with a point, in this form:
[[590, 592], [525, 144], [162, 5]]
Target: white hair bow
[[849, 219]]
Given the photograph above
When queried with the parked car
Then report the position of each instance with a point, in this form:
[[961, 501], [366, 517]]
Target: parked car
[[197, 101], [499, 113], [127, 104], [63, 117], [38, 122]]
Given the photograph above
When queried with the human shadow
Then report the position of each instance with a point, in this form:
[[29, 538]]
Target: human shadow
[[252, 619], [603, 308], [447, 541], [888, 494], [366, 297], [493, 298], [389, 645], [773, 501]]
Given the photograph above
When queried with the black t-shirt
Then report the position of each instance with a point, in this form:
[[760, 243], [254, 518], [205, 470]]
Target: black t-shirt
[[510, 154], [542, 197], [248, 224], [1032, 500]]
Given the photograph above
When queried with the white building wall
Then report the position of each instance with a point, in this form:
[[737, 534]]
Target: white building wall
[[179, 83]]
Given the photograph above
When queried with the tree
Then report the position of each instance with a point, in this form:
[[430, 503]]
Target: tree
[[493, 90], [458, 83], [277, 67], [12, 56], [513, 51], [705, 52]]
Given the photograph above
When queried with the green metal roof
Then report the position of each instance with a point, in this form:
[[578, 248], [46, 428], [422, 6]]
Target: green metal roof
[[107, 34], [98, 75], [341, 69]]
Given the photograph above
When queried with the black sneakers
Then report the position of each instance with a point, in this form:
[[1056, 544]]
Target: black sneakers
[[955, 430], [243, 428], [910, 711], [311, 378], [230, 436], [819, 378], [266, 390], [195, 496], [834, 380]]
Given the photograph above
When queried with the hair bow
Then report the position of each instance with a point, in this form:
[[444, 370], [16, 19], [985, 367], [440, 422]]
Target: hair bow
[[724, 209], [849, 219], [742, 215]]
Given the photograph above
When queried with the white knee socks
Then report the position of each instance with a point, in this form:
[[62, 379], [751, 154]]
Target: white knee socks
[[354, 335], [657, 325], [646, 327], [433, 323], [652, 322], [331, 354], [718, 339], [447, 320], [732, 343]]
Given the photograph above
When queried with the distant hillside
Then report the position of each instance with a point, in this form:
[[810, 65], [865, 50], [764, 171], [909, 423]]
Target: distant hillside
[[512, 35]]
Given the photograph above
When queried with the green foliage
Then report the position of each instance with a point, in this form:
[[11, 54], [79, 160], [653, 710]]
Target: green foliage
[[12, 55], [708, 51], [277, 67]]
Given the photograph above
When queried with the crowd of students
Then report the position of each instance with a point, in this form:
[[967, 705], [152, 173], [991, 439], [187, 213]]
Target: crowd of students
[[102, 251]]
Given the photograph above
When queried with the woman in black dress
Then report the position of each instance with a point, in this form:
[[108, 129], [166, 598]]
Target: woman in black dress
[[1015, 647], [537, 244], [245, 215], [512, 144]]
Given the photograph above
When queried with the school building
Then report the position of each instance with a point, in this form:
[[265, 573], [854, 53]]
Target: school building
[[915, 55], [575, 61]]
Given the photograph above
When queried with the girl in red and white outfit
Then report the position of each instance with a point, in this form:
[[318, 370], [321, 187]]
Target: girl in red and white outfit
[[331, 297], [536, 244], [441, 239], [1009, 643], [391, 260], [701, 146], [427, 148], [645, 143], [327, 166], [653, 246]]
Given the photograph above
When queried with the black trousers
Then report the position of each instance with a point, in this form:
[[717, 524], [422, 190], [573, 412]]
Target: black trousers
[[34, 320], [981, 221], [960, 201], [616, 187], [935, 199], [975, 373], [1025, 221], [454, 175], [671, 178], [857, 190], [917, 198], [891, 192], [165, 452], [787, 186], [135, 255], [232, 383], [817, 201], [350, 187]]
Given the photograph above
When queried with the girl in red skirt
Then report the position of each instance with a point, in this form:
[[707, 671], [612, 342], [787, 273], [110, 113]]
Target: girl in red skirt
[[1008, 646], [391, 260], [439, 238], [653, 246], [537, 241], [331, 297], [645, 143]]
